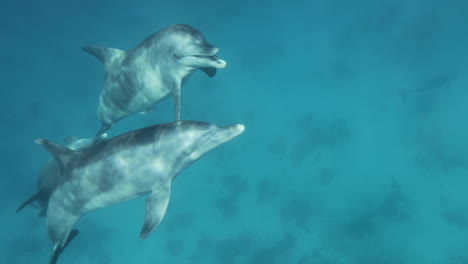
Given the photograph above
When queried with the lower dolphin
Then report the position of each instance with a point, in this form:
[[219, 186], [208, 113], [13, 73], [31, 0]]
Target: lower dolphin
[[140, 162], [49, 177]]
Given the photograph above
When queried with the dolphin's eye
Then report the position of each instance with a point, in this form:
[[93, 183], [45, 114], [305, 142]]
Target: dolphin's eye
[[177, 57]]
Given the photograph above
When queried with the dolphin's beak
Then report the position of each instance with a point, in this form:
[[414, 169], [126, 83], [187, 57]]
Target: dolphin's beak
[[211, 61], [225, 134], [215, 63], [221, 64], [219, 136], [210, 64], [208, 59], [237, 129]]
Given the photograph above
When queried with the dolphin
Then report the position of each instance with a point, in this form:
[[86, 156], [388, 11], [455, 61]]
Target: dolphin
[[144, 161], [49, 177], [440, 81], [137, 79]]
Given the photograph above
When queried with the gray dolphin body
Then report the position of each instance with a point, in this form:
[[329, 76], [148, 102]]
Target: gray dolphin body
[[136, 80], [125, 167], [50, 178]]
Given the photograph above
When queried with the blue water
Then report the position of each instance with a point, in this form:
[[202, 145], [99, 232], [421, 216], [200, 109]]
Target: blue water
[[355, 149]]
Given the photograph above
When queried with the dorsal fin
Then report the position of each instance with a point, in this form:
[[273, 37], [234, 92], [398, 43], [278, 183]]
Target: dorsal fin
[[62, 154], [211, 72], [104, 54]]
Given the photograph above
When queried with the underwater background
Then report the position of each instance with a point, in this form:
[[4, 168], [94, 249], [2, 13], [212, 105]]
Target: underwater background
[[355, 149]]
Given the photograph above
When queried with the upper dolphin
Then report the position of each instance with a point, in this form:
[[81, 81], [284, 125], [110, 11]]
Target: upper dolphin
[[139, 78], [144, 161]]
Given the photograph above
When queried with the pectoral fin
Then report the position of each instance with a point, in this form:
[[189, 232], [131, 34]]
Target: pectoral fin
[[211, 72], [156, 205], [177, 103]]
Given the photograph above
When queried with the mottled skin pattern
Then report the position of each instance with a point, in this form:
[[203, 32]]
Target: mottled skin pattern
[[125, 167], [49, 177], [136, 80]]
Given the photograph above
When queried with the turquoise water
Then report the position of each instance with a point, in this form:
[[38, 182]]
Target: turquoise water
[[354, 152]]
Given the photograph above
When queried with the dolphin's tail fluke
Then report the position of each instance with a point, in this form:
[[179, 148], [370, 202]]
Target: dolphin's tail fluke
[[58, 250], [105, 55], [31, 199]]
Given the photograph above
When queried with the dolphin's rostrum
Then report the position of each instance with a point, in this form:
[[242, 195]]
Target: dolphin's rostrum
[[137, 79], [125, 167]]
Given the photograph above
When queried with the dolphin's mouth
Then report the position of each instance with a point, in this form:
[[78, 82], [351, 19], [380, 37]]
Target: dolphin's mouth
[[226, 133], [220, 136], [211, 58], [204, 60]]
